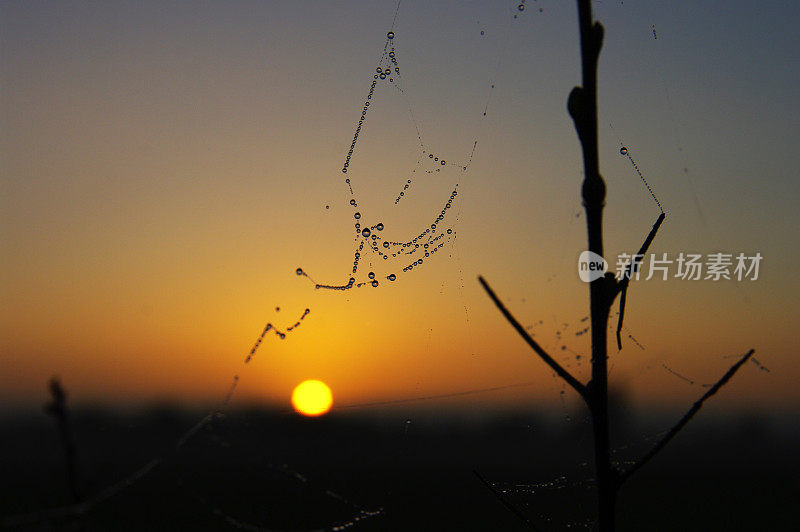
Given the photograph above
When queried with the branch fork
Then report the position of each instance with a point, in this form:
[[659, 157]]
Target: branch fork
[[582, 107]]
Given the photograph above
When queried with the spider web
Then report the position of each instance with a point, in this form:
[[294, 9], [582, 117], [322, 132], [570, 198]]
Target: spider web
[[215, 434], [175, 467]]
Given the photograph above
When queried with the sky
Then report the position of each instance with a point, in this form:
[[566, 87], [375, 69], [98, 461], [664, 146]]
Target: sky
[[165, 169]]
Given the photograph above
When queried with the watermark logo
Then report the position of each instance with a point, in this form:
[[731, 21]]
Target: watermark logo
[[684, 266], [591, 266]]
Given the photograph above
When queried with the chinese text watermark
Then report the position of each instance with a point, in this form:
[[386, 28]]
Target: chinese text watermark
[[684, 266]]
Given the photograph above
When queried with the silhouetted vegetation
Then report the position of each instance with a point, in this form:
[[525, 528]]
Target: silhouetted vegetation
[[58, 409], [273, 469], [582, 107]]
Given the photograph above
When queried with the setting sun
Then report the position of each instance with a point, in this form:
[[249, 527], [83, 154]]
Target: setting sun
[[312, 398]]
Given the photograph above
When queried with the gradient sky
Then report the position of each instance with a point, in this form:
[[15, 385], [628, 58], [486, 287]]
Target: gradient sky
[[166, 167]]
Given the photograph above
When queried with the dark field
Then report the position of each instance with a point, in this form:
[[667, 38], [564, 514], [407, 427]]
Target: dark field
[[257, 470]]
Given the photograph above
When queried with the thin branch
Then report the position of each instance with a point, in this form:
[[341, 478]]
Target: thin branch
[[642, 250], [622, 298], [59, 410], [623, 285], [503, 500], [686, 418], [86, 505], [564, 374]]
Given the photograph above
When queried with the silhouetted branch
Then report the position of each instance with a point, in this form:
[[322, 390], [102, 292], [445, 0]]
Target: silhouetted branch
[[582, 107], [686, 418], [79, 509], [623, 285], [622, 297], [84, 505], [564, 374], [58, 409], [503, 500]]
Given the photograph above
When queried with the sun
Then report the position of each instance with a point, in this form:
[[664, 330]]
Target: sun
[[312, 398]]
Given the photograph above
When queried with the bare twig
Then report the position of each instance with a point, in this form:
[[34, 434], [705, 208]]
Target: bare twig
[[564, 374], [686, 418], [59, 410], [513, 509], [622, 298], [582, 107], [623, 285], [86, 504]]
